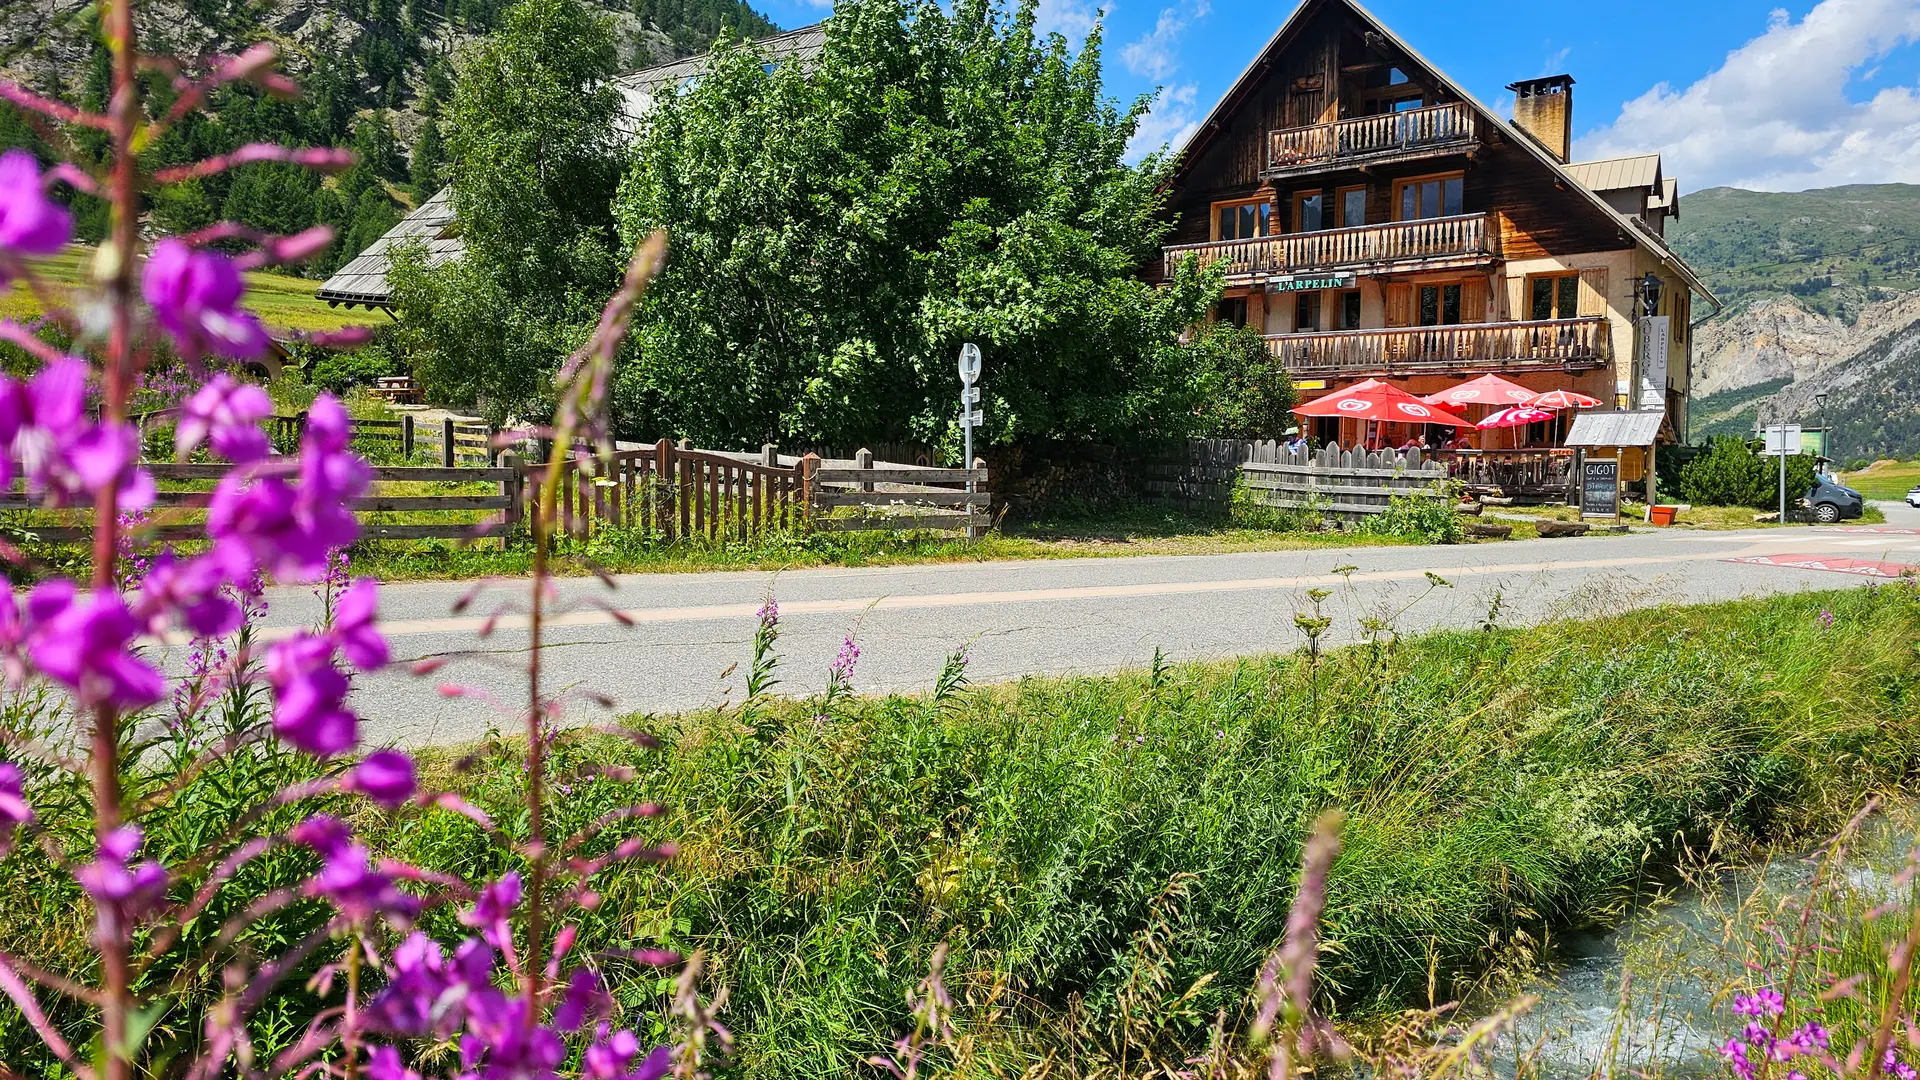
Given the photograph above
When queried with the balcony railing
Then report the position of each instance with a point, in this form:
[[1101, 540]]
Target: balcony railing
[[1386, 135], [1466, 236], [1468, 346]]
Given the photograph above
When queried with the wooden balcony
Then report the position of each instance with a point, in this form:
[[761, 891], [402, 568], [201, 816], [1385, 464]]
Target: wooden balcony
[[1435, 243], [1571, 344], [1370, 140]]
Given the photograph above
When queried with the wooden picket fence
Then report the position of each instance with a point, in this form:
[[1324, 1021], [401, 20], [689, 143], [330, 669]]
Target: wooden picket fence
[[1337, 481]]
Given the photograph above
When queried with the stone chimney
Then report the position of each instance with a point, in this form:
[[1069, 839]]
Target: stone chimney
[[1543, 108]]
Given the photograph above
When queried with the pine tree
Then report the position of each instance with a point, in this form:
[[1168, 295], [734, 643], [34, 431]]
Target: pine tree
[[428, 158]]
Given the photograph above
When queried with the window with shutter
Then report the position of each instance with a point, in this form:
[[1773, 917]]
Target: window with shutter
[[1473, 300], [1399, 305], [1593, 291]]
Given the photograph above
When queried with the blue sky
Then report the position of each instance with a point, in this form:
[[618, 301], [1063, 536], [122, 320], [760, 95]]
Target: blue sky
[[1731, 91]]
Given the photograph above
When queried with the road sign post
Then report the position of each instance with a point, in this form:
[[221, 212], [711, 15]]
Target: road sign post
[[970, 414], [1783, 441]]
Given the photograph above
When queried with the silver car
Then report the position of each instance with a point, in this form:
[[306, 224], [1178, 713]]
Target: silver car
[[1913, 497]]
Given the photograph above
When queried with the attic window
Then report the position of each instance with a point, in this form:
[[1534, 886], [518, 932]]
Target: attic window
[[1395, 77]]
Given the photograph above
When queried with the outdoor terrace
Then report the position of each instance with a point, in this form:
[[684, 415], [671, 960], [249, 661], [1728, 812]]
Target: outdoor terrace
[[1462, 241], [1372, 140], [1569, 344]]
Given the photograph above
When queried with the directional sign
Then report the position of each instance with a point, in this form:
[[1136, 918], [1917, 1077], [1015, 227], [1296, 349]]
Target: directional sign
[[970, 395], [969, 364], [972, 419], [1783, 439]]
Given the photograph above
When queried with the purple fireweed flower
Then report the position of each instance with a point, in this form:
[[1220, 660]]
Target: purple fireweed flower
[[1765, 1002], [1735, 1052], [195, 295], [194, 591], [610, 1057], [1891, 1065], [491, 910], [842, 666], [354, 627], [67, 457], [310, 696], [385, 1064], [82, 642], [499, 1045], [386, 777], [225, 413], [30, 223], [584, 1000], [769, 614], [14, 811], [1809, 1036], [324, 834], [113, 881], [348, 881], [425, 992], [291, 531]]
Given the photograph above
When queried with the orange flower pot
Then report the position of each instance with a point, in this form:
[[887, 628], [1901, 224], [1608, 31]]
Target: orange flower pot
[[1662, 515]]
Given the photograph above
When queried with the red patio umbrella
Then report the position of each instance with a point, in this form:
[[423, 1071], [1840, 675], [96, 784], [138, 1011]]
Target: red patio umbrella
[[1514, 416], [1485, 390], [1561, 399], [1375, 400]]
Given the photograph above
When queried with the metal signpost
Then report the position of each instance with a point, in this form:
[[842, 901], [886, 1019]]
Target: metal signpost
[[1783, 441], [1600, 488], [970, 414]]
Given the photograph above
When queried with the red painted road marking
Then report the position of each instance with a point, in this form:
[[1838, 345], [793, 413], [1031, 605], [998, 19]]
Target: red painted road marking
[[1874, 529], [1837, 564]]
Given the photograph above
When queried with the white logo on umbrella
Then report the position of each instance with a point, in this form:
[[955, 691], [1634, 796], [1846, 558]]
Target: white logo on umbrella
[[1464, 395], [1411, 409], [1351, 405]]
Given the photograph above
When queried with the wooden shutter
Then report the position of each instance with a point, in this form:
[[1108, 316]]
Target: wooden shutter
[[1593, 291], [1399, 305], [1473, 300]]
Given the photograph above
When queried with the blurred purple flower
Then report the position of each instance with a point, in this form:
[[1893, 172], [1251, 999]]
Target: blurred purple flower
[[66, 456], [386, 777], [769, 614], [491, 910], [30, 223], [226, 414], [499, 1044], [14, 811], [289, 531], [610, 1057], [347, 880], [323, 833], [310, 696], [842, 667], [111, 879], [424, 992], [82, 643], [385, 1064], [584, 1000], [195, 294], [354, 626], [1891, 1065], [1766, 1002], [193, 590]]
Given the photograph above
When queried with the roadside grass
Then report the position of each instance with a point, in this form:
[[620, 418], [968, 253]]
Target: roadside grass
[[1111, 858], [282, 301], [1887, 479], [1715, 518]]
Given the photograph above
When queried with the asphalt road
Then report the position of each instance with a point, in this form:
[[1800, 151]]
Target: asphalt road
[[1036, 617]]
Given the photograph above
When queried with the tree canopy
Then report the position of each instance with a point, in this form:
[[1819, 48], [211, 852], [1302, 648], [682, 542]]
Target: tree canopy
[[838, 227]]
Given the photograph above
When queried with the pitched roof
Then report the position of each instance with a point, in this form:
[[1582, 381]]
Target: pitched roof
[[1613, 174], [1615, 428], [1216, 117], [363, 280]]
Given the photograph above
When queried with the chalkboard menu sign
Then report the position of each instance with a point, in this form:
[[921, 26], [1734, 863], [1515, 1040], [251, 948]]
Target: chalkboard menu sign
[[1600, 487]]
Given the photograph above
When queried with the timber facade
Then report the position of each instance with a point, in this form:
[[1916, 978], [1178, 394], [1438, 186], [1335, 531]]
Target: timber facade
[[1373, 220]]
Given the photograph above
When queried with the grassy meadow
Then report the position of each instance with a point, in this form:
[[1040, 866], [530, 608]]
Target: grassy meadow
[[282, 301], [1111, 858], [1884, 479]]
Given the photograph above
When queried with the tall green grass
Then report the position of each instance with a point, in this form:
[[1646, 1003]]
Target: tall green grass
[[1101, 849]]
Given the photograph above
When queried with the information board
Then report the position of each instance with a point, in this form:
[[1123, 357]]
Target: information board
[[1600, 487]]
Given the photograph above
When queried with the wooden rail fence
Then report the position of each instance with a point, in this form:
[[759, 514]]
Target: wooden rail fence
[[1334, 480], [1384, 135], [1581, 342], [1462, 237]]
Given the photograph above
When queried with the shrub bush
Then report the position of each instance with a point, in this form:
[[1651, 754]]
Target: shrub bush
[[1426, 516], [1242, 391], [1732, 473]]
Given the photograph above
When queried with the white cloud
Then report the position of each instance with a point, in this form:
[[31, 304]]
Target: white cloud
[[1073, 19], [1776, 115], [1555, 64], [1152, 55], [1169, 122]]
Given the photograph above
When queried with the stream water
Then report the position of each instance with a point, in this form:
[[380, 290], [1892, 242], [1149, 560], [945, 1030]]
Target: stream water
[[1652, 997]]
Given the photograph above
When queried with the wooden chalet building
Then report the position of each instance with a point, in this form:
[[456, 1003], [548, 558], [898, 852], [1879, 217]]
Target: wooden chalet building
[[1375, 221]]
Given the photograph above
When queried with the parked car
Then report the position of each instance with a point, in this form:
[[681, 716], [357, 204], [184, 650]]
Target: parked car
[[1913, 497], [1828, 500]]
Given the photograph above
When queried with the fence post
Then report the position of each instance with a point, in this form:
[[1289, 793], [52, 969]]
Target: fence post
[[406, 437], [863, 459], [975, 532], [769, 456], [514, 488], [663, 488], [446, 441], [809, 485]]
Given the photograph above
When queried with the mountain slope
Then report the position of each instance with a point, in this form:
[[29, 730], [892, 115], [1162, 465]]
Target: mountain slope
[[1823, 293]]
